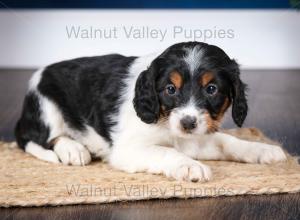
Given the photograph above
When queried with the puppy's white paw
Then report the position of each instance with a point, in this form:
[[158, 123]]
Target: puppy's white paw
[[191, 170], [71, 152], [265, 154], [271, 154]]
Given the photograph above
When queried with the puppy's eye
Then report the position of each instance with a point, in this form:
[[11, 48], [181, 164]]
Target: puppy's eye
[[170, 89], [211, 89]]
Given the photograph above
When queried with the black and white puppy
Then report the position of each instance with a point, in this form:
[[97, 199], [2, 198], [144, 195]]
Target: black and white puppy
[[156, 114]]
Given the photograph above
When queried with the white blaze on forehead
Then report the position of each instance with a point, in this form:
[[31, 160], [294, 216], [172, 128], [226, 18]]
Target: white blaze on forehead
[[189, 109], [193, 57]]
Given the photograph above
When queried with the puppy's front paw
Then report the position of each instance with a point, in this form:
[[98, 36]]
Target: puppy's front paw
[[264, 153], [271, 154], [191, 170]]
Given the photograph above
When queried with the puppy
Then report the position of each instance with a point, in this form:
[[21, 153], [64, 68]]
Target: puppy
[[158, 114]]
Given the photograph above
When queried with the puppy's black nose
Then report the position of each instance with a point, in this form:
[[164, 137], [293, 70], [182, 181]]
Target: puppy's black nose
[[188, 122]]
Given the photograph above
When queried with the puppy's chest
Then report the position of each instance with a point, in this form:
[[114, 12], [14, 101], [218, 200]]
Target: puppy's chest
[[137, 132], [192, 146]]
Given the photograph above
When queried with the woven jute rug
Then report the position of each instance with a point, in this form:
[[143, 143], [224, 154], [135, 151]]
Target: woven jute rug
[[26, 181]]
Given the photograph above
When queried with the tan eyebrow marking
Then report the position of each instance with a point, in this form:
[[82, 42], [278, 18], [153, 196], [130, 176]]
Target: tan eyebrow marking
[[176, 79], [206, 78]]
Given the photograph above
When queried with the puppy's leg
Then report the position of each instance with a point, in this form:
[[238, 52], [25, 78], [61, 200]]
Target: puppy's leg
[[96, 145], [41, 153], [71, 152], [220, 146], [158, 159]]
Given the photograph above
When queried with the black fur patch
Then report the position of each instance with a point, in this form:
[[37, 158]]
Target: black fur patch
[[86, 90], [30, 127]]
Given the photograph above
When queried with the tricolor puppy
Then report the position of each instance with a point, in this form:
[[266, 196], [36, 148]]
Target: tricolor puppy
[[156, 114]]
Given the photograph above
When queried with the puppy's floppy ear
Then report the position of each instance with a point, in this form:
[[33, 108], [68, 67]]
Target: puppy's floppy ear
[[239, 106], [146, 102]]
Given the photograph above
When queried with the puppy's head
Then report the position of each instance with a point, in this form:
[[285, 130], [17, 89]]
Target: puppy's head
[[188, 88]]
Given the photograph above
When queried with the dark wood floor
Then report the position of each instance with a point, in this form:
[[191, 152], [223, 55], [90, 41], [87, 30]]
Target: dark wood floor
[[274, 98]]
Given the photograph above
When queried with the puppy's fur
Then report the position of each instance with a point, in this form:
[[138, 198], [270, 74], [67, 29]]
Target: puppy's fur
[[156, 114]]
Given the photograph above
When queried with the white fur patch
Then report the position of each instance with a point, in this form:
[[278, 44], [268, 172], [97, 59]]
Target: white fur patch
[[52, 117], [35, 80], [97, 146], [200, 148], [41, 153], [193, 58], [71, 152]]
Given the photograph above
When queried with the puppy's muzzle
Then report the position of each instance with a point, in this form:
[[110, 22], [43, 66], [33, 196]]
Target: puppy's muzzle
[[188, 123]]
